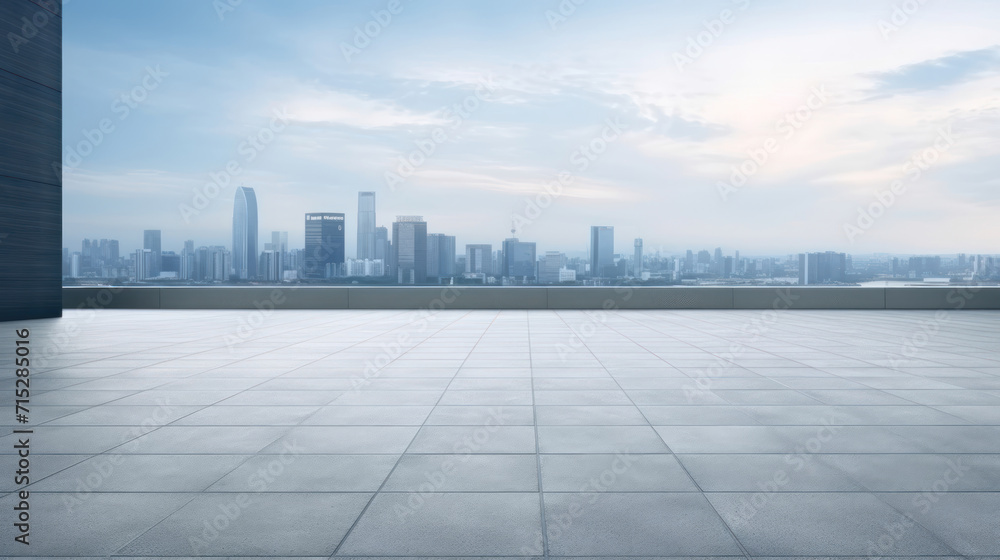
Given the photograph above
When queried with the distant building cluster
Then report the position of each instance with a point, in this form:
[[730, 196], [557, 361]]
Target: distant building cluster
[[407, 254]]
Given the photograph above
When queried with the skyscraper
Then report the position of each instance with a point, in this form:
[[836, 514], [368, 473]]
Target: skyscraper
[[440, 255], [245, 253], [270, 265], [637, 259], [518, 259], [409, 249], [822, 268], [602, 251], [434, 255], [447, 248], [187, 261], [366, 225], [151, 241], [479, 259], [324, 244], [278, 244], [143, 263], [383, 249]]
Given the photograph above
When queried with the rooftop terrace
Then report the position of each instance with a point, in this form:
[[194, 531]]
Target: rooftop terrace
[[387, 433]]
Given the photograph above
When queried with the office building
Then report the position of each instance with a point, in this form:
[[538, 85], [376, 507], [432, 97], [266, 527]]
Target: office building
[[479, 259], [86, 253], [440, 255], [212, 264], [151, 241], [637, 259], [270, 265], [366, 226], [143, 264], [727, 267], [518, 260], [822, 268], [383, 248], [409, 249], [602, 251], [324, 255], [278, 244], [170, 265], [365, 267], [245, 234], [923, 267], [550, 266], [433, 256]]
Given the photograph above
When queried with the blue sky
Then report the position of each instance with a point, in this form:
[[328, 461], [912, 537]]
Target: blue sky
[[695, 88]]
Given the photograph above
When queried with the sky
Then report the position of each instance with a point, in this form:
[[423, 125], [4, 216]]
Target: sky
[[768, 127]]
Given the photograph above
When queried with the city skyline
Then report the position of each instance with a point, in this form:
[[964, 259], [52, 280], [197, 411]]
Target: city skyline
[[413, 255], [650, 131]]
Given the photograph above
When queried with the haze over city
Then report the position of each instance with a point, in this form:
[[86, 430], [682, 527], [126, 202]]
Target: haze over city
[[679, 93]]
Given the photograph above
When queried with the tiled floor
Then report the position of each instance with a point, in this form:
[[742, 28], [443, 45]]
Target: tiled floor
[[513, 433]]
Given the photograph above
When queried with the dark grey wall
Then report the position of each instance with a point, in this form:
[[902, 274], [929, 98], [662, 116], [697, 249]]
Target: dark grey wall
[[541, 297], [30, 159]]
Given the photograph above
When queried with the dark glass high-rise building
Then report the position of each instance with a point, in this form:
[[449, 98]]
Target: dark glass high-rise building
[[324, 254], [447, 256], [822, 268], [440, 255], [151, 241], [366, 225], [602, 251], [409, 249], [518, 259], [245, 252]]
